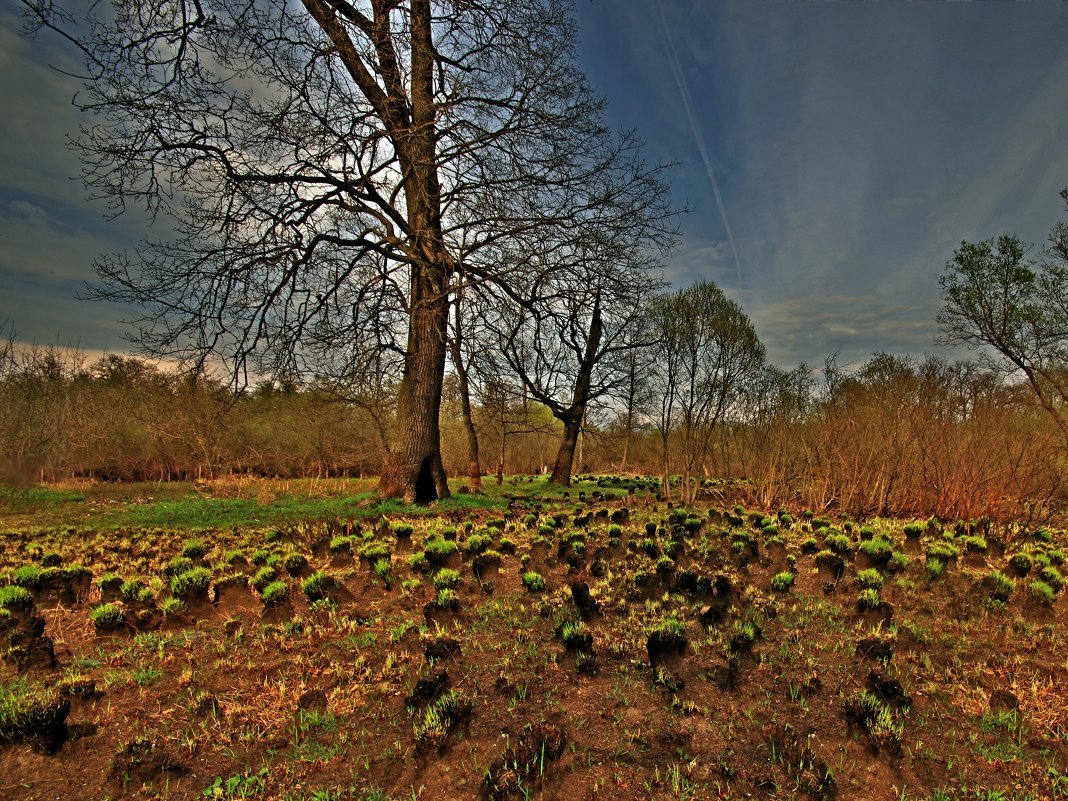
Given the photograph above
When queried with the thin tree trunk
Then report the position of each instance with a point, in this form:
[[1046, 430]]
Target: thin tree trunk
[[474, 467], [573, 416]]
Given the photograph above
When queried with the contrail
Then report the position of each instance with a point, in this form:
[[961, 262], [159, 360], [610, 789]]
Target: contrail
[[684, 90]]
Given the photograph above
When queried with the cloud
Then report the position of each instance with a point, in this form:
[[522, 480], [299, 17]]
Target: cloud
[[865, 142], [57, 243], [809, 328]]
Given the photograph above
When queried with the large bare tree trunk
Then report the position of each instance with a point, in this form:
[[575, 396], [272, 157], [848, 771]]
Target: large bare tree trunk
[[572, 417], [565, 456], [413, 468]]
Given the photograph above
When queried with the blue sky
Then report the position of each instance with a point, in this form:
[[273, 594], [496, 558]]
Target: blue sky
[[854, 146]]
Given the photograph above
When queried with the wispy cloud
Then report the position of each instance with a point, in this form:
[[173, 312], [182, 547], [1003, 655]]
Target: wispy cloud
[[698, 136]]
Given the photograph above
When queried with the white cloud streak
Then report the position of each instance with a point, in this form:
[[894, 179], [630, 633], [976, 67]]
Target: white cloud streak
[[687, 103]]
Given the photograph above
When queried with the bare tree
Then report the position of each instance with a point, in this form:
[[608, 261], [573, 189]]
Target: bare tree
[[567, 336], [317, 157]]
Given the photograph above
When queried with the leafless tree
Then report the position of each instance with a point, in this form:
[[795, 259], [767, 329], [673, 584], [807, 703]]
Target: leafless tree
[[325, 164], [568, 335]]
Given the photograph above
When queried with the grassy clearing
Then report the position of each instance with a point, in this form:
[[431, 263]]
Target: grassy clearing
[[243, 502]]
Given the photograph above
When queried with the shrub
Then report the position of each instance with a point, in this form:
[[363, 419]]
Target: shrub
[[28, 576], [438, 550], [447, 599], [383, 568], [274, 593], [446, 578], [375, 550], [193, 548], [1021, 562], [30, 713], [870, 579], [477, 543], [440, 717], [878, 549], [263, 577], [106, 617], [877, 718], [109, 582], [134, 591], [665, 565], [341, 544], [942, 551], [15, 597], [533, 581], [1001, 586], [190, 583], [869, 599], [839, 543], [1052, 576], [576, 636], [170, 606], [1042, 592], [782, 581], [51, 559], [744, 635], [316, 585], [294, 563]]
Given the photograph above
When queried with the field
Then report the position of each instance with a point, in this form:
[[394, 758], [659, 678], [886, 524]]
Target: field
[[304, 641]]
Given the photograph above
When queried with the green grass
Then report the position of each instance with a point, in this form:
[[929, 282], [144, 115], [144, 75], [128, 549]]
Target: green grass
[[31, 499], [179, 506]]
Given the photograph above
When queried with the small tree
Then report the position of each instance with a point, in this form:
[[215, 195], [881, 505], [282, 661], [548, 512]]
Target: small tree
[[709, 350], [568, 337], [999, 297]]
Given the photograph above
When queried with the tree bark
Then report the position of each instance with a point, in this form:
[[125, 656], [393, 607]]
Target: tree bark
[[413, 469], [565, 456]]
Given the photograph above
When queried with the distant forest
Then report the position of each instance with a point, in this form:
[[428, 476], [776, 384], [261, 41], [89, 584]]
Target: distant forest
[[896, 437]]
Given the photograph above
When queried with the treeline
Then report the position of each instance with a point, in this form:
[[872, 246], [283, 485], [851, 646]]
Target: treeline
[[895, 437]]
